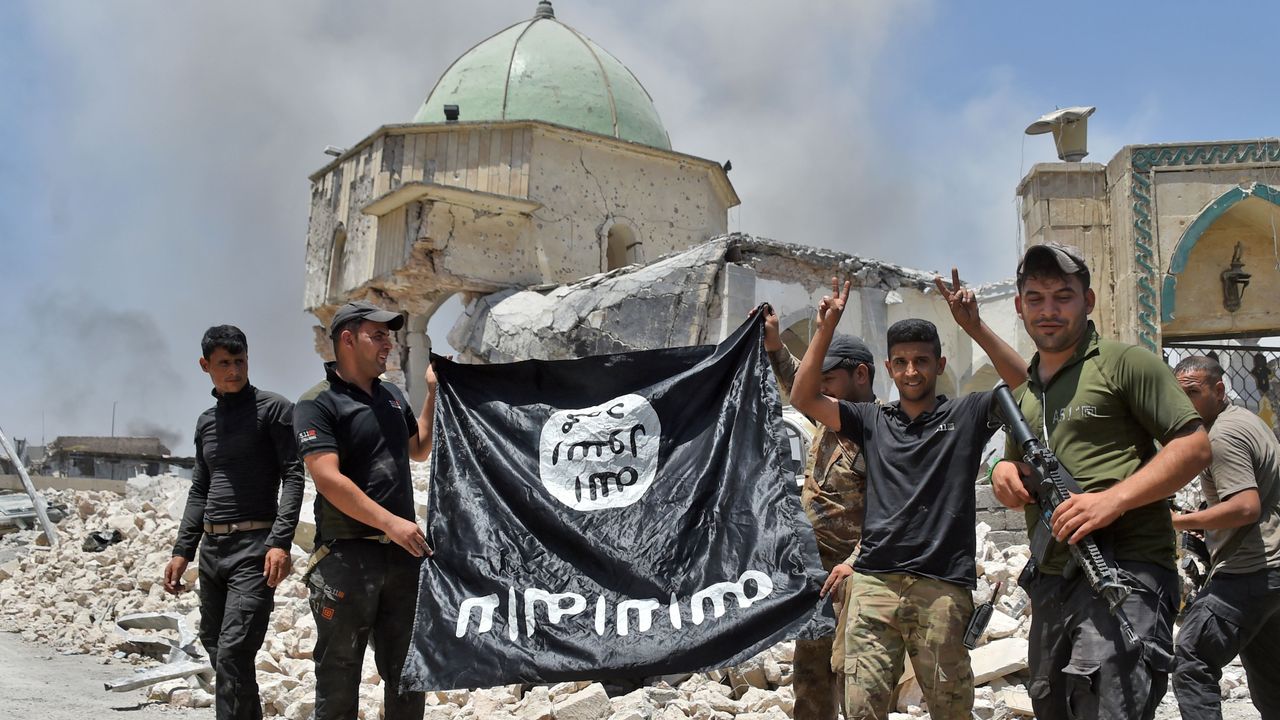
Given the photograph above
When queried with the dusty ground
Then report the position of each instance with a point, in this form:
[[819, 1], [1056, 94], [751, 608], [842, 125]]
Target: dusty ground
[[38, 682]]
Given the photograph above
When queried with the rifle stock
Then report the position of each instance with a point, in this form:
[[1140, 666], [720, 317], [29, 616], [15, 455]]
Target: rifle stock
[[1052, 485]]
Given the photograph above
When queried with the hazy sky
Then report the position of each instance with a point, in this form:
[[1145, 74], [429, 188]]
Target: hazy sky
[[154, 176]]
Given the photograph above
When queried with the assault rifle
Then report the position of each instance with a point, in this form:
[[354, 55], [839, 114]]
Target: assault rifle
[[1052, 485]]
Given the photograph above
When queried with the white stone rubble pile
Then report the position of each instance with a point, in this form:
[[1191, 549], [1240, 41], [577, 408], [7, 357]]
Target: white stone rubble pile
[[69, 598]]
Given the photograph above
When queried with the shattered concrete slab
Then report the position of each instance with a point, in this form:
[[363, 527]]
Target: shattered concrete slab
[[664, 304], [688, 298], [998, 658]]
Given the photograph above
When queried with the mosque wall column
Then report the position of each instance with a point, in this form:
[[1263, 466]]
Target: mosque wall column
[[418, 352]]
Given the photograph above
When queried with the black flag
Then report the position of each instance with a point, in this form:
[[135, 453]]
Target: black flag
[[616, 516]]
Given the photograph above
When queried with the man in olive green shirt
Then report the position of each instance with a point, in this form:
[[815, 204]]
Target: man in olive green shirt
[[834, 498], [1103, 407], [1239, 609]]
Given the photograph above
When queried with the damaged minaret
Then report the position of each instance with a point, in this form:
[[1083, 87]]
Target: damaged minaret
[[537, 158]]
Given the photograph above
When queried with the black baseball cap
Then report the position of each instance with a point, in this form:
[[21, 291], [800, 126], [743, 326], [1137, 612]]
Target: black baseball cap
[[846, 347], [364, 310], [1067, 258]]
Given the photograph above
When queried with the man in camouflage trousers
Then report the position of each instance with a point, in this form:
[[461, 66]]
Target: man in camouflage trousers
[[909, 595], [833, 497]]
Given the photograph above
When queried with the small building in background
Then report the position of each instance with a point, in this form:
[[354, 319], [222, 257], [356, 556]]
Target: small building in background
[[108, 458]]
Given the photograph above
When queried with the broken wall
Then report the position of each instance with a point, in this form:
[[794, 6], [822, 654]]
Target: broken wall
[[701, 295], [416, 212]]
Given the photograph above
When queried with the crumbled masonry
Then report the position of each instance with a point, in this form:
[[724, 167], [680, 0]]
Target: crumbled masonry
[[71, 599]]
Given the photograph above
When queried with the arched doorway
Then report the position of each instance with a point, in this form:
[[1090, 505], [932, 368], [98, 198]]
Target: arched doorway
[[1209, 306], [1242, 225]]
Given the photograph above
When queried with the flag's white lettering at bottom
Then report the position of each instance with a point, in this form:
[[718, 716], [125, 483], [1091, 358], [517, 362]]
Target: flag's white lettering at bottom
[[629, 615]]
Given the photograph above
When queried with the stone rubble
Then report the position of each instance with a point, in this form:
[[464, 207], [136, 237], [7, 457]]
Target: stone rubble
[[69, 599]]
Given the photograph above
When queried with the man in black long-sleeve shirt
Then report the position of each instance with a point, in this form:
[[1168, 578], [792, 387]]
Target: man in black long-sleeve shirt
[[245, 454]]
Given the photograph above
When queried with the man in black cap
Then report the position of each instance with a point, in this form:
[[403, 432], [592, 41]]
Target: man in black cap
[[834, 498], [242, 509], [356, 435], [1122, 427]]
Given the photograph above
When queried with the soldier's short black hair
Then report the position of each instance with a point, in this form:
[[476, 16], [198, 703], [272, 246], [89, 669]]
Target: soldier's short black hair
[[914, 330], [227, 337]]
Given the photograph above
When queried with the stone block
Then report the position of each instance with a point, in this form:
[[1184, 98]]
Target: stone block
[[454, 697], [773, 672], [659, 695], [300, 709], [984, 497], [997, 659], [536, 705], [1073, 212], [670, 712], [591, 703], [758, 701], [1016, 701], [447, 711], [717, 701], [994, 521], [491, 700], [559, 691], [747, 675], [1001, 625], [1035, 215], [201, 699]]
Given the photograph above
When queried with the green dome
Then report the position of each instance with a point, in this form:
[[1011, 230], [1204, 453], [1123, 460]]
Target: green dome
[[542, 69]]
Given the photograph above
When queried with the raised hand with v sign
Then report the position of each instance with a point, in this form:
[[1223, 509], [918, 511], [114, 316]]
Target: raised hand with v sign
[[962, 301]]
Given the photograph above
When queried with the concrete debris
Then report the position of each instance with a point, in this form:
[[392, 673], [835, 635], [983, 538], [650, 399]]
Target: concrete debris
[[168, 671], [591, 703], [112, 604], [997, 659], [1016, 702], [663, 304], [157, 643], [18, 512]]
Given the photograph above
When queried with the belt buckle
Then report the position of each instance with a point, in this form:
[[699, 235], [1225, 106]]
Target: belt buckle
[[233, 527], [384, 539]]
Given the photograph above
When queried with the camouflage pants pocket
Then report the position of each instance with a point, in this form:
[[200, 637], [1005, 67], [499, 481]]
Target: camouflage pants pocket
[[936, 647], [874, 648]]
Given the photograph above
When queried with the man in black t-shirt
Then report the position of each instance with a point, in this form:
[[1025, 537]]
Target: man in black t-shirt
[[357, 435], [915, 570], [242, 509]]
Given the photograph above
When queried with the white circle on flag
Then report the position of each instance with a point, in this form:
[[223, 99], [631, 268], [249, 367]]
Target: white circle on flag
[[600, 457]]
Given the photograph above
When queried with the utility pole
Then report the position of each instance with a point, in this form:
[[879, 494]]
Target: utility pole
[[113, 417]]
